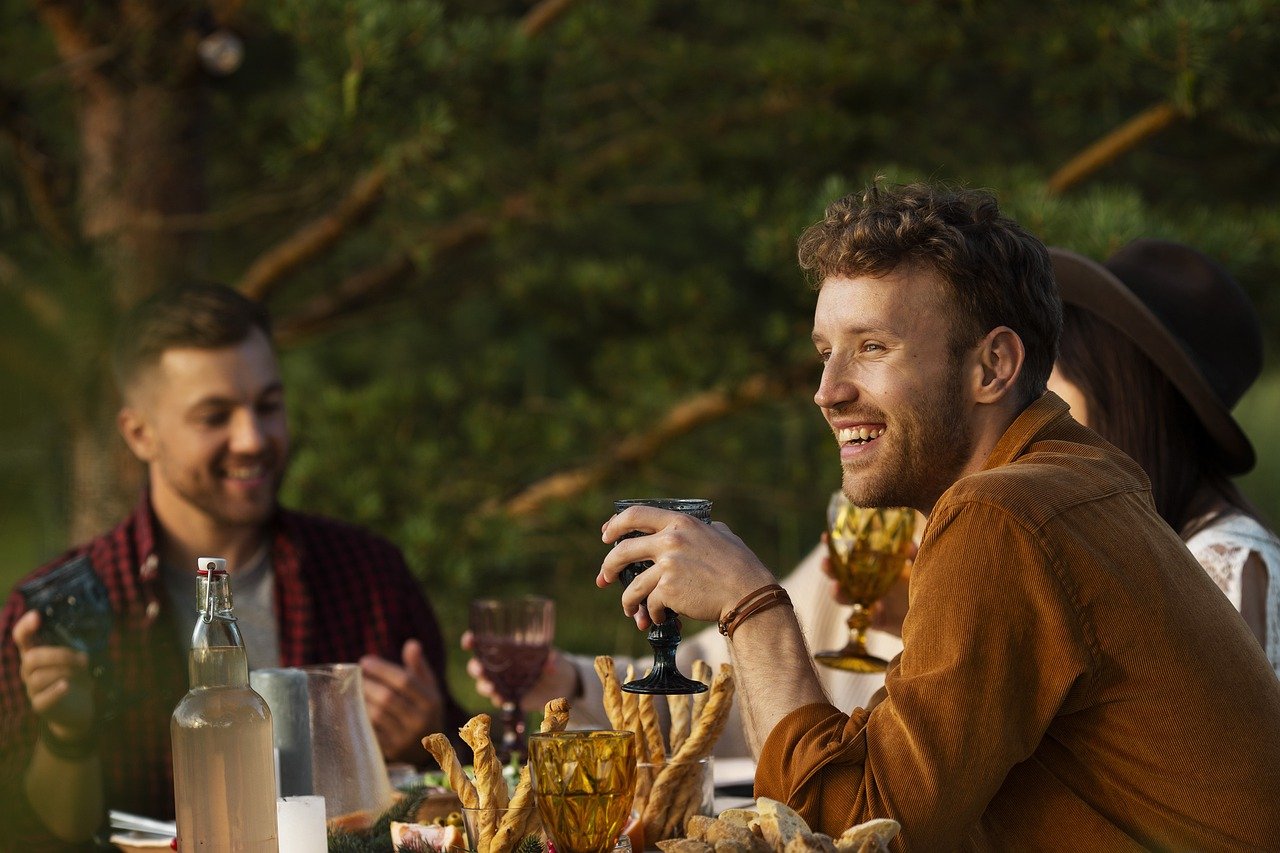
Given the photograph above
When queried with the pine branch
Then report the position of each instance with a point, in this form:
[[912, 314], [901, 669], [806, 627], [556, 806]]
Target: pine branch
[[315, 237], [1114, 145], [378, 282], [682, 418], [36, 167], [264, 204], [81, 52], [542, 16], [354, 292]]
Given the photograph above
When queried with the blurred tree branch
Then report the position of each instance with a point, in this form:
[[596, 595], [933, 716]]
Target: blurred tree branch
[[375, 283], [1115, 144], [542, 16], [45, 311], [264, 204], [354, 292], [38, 169], [71, 37], [314, 238], [685, 416]]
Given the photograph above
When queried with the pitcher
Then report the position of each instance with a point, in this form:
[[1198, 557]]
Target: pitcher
[[330, 748]]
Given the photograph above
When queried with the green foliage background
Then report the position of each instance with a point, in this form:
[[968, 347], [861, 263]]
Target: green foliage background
[[640, 172]]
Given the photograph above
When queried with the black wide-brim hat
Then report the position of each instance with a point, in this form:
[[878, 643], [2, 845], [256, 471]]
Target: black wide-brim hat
[[1189, 316]]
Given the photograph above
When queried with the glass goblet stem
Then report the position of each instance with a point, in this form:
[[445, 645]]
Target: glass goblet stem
[[513, 741], [859, 621], [664, 638]]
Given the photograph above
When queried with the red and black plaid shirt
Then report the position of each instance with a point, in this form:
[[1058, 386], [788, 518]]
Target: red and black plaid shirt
[[340, 593]]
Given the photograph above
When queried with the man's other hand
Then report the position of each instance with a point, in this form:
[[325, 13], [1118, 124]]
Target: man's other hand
[[404, 702]]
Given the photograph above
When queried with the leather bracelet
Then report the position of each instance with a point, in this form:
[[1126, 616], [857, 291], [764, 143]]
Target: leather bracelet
[[751, 604], [80, 749]]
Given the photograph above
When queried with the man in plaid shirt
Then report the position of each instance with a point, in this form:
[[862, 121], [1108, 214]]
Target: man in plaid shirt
[[204, 410]]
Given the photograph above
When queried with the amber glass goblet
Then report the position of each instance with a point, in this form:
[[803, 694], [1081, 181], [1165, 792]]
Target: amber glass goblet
[[583, 784], [868, 548], [665, 677]]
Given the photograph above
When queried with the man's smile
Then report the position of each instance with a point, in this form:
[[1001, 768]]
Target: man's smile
[[858, 439], [859, 434]]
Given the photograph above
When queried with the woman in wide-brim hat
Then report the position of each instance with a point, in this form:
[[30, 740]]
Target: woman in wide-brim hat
[[1159, 343]]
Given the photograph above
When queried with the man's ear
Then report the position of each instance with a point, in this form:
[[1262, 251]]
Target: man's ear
[[1000, 358], [137, 432]]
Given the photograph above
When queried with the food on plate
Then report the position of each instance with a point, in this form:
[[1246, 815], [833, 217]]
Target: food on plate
[[427, 837], [773, 827]]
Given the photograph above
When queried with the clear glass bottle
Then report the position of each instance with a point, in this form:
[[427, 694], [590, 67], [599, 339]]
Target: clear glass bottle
[[224, 784]]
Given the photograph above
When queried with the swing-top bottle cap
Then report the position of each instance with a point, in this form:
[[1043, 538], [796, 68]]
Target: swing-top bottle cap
[[216, 565]]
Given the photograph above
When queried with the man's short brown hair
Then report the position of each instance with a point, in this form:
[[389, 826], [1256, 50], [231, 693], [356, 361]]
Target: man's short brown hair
[[999, 274], [198, 316]]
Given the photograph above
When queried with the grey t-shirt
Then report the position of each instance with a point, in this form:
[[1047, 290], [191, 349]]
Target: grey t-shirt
[[252, 596]]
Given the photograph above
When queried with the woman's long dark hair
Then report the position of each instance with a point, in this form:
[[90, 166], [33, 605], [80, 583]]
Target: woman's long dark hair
[[1133, 405]]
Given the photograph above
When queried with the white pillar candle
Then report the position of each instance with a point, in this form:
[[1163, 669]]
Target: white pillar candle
[[300, 821]]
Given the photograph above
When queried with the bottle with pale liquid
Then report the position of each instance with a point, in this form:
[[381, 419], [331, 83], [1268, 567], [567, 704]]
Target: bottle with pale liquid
[[224, 783]]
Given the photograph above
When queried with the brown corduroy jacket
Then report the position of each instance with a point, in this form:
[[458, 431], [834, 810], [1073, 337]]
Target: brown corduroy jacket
[[1071, 678]]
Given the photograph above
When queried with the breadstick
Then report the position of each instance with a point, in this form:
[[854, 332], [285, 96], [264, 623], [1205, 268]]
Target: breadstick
[[555, 715], [490, 783], [706, 730], [520, 813], [440, 748], [678, 706], [701, 672], [684, 803], [664, 807], [645, 775], [607, 672], [631, 708], [709, 725], [650, 732]]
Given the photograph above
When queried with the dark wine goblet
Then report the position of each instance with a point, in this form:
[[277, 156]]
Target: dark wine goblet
[[512, 641], [665, 677]]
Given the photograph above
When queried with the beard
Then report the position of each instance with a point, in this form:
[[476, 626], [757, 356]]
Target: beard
[[932, 443], [204, 490]]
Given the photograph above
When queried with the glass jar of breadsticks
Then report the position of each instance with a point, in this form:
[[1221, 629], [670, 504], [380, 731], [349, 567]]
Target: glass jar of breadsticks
[[498, 820], [674, 780]]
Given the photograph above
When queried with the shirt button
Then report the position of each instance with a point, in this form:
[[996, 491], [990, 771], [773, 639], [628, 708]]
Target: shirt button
[[153, 610], [149, 567]]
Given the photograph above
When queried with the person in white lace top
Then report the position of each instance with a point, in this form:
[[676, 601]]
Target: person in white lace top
[[1159, 343]]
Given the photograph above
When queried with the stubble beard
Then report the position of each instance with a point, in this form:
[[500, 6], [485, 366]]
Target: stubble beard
[[932, 444], [209, 498]]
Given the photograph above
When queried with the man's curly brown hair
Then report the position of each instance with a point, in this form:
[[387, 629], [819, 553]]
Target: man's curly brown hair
[[999, 274]]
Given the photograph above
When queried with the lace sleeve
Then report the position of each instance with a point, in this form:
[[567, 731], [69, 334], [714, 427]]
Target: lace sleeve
[[1224, 561], [1223, 548]]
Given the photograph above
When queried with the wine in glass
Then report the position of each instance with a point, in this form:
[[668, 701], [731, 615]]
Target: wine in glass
[[868, 548], [583, 784], [512, 639], [664, 637]]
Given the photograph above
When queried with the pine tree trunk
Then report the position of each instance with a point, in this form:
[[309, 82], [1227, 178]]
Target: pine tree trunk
[[141, 162]]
